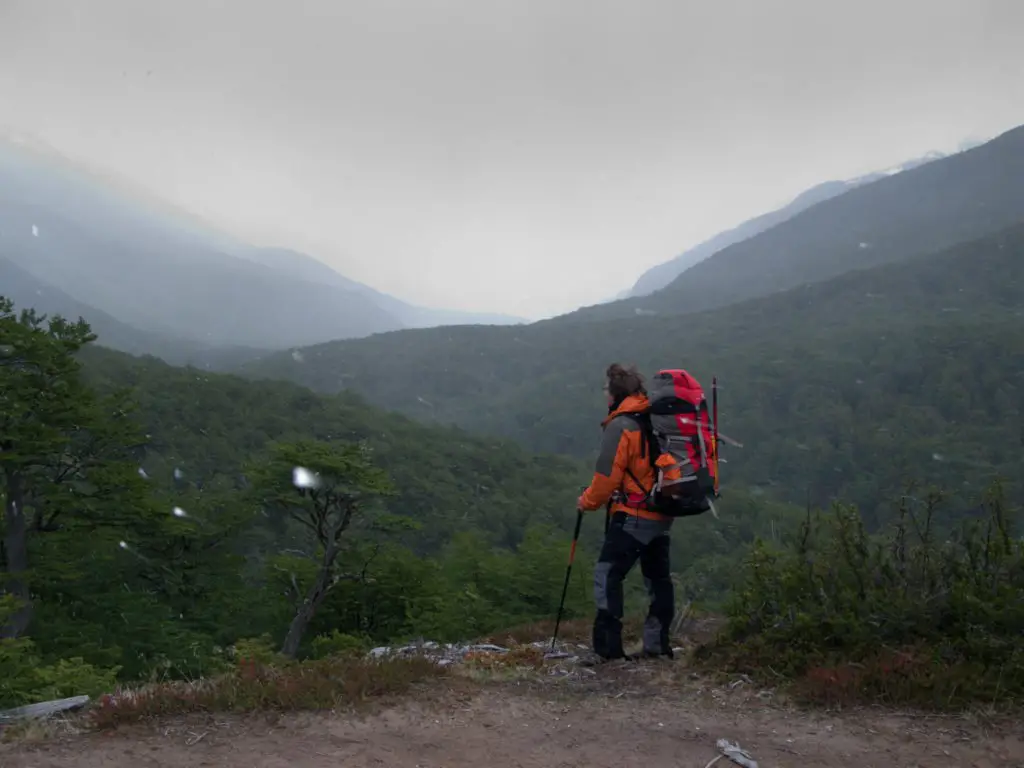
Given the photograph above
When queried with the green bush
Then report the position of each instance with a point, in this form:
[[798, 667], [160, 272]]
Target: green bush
[[25, 680], [259, 650], [73, 677], [339, 644], [906, 616]]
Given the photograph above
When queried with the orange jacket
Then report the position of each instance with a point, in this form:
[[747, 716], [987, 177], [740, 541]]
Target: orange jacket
[[621, 447]]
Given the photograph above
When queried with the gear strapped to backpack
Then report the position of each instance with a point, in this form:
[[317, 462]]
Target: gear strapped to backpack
[[682, 446]]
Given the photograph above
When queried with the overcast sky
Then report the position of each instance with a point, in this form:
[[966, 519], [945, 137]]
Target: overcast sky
[[524, 156]]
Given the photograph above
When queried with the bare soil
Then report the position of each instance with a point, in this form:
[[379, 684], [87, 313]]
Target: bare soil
[[648, 715]]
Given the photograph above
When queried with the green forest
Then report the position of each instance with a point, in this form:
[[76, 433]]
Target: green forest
[[152, 521], [841, 390], [157, 519]]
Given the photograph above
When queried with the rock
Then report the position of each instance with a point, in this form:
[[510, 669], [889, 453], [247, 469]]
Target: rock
[[455, 653], [42, 709]]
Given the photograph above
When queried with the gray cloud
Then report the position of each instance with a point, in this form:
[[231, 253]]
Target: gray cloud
[[516, 156]]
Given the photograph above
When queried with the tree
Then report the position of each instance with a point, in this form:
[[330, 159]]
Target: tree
[[61, 447], [324, 489]]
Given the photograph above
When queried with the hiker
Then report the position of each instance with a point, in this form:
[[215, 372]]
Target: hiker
[[622, 479]]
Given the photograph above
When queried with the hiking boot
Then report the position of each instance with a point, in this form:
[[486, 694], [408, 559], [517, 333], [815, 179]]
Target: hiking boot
[[594, 659], [659, 654]]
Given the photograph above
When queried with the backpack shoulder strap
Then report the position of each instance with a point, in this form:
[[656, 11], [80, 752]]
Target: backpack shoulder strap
[[649, 447]]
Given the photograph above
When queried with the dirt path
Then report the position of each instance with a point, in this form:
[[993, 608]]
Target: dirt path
[[510, 726]]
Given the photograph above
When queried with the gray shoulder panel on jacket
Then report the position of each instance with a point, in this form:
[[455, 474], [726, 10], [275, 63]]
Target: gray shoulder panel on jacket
[[610, 442]]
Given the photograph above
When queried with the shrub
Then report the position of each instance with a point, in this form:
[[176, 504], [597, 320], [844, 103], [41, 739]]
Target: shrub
[[260, 650], [906, 616], [25, 679], [338, 644]]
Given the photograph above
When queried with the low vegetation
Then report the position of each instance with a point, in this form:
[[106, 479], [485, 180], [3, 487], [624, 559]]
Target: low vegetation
[[154, 525], [914, 615], [261, 680]]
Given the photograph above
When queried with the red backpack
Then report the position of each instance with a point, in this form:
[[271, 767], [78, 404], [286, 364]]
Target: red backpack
[[679, 423]]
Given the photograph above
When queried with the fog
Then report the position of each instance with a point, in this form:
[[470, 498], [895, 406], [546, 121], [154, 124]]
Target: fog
[[521, 157]]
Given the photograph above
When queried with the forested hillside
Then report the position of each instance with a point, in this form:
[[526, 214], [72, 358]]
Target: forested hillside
[[168, 498], [214, 512], [843, 388]]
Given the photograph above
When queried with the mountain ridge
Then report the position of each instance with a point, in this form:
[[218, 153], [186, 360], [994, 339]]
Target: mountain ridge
[[156, 267], [411, 315], [26, 290], [661, 275], [921, 210]]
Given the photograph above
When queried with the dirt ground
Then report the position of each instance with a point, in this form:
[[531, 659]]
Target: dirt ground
[[615, 720]]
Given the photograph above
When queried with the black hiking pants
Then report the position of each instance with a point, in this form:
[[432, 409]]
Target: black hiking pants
[[627, 540]]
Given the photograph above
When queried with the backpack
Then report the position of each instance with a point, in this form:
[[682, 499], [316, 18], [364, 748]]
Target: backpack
[[681, 442]]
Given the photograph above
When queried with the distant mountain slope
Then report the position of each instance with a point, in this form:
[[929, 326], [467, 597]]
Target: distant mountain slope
[[658, 277], [663, 274], [170, 273], [931, 348], [152, 274], [306, 267], [921, 210], [972, 279], [28, 291]]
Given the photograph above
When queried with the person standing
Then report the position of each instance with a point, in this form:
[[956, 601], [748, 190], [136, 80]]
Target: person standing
[[622, 478]]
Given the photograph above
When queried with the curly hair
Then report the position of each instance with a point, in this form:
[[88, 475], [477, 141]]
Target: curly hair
[[623, 382]]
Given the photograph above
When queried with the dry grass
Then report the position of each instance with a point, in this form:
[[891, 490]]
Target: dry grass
[[326, 684]]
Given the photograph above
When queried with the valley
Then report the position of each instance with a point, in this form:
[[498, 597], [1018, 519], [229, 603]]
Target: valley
[[869, 346]]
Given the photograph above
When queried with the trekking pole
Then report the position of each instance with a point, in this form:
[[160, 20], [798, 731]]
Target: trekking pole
[[568, 570]]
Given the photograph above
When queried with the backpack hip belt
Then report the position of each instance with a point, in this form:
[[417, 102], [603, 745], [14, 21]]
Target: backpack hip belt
[[631, 500]]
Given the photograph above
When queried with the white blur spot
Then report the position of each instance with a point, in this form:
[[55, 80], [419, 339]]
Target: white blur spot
[[303, 478], [35, 231], [179, 512], [178, 474], [297, 356], [123, 544], [142, 473], [938, 457]]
